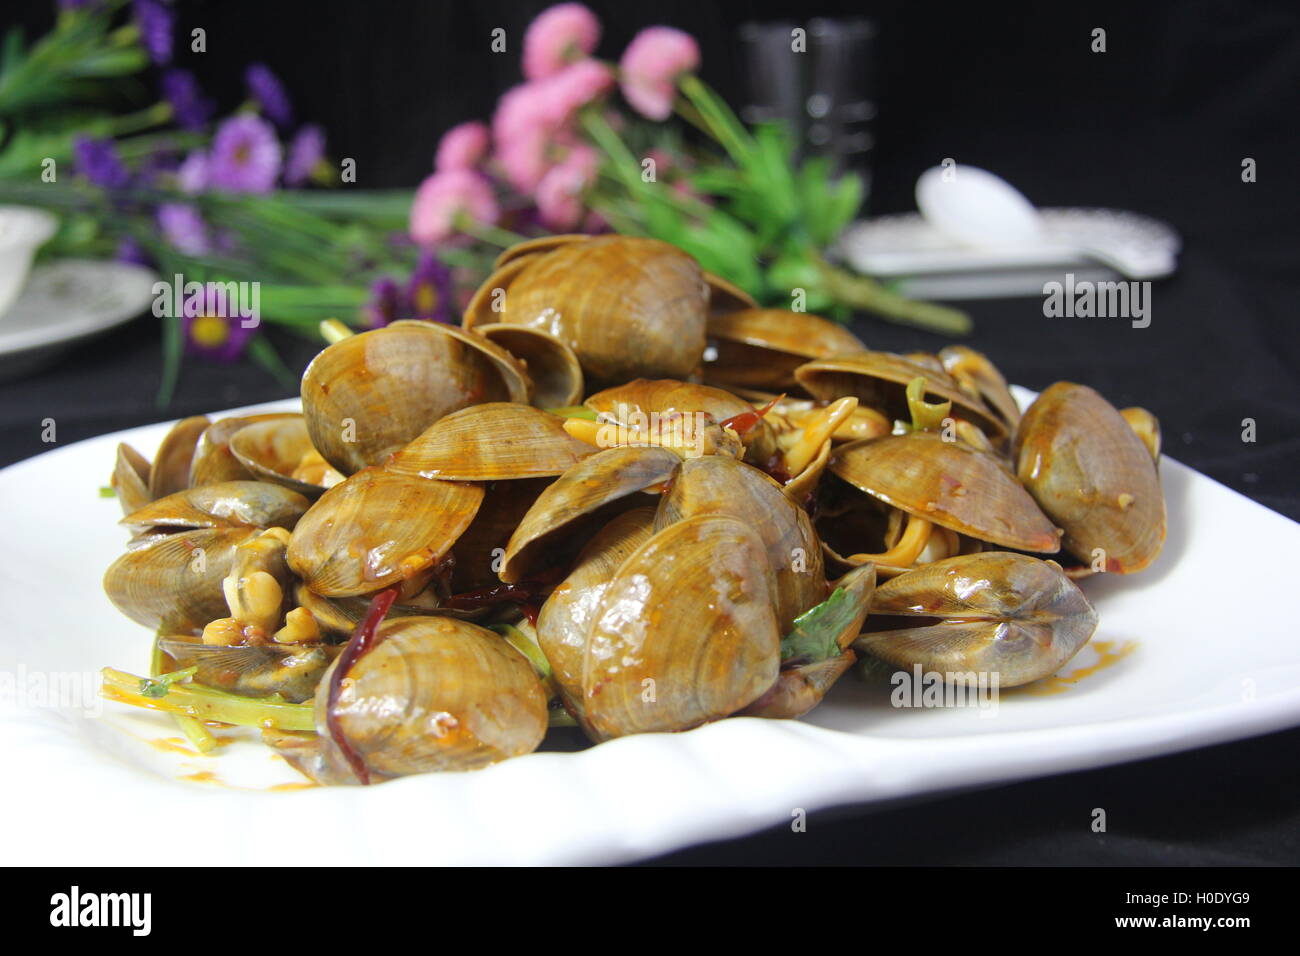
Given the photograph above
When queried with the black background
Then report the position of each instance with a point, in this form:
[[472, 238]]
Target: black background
[[1159, 124]]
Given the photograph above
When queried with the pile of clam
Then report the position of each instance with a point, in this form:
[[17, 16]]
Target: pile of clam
[[622, 496]]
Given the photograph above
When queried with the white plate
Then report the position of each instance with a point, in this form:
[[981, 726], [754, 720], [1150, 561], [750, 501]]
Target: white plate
[[1212, 658], [71, 299]]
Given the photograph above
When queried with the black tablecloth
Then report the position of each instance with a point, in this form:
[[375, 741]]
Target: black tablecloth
[[1160, 125]]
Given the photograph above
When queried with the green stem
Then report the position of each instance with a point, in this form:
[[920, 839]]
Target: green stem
[[860, 292], [493, 235], [193, 730]]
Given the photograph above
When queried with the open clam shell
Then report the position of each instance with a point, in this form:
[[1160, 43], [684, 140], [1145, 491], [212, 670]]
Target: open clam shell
[[552, 367], [950, 484], [761, 348], [379, 528], [491, 442]]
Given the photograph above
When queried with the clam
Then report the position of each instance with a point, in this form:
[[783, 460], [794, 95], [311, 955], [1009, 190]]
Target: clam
[[981, 614], [367, 395], [566, 616], [131, 479], [171, 465], [174, 582], [684, 634], [280, 451], [290, 670], [761, 348], [879, 380], [253, 504], [214, 461], [979, 376], [433, 693], [660, 401], [1094, 476], [949, 484], [491, 442], [572, 288], [715, 485], [379, 528], [590, 491], [552, 367]]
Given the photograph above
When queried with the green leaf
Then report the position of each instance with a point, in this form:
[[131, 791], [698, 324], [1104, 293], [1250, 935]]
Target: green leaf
[[156, 687], [816, 633]]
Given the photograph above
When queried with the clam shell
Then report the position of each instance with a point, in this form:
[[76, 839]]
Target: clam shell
[[174, 582], [656, 291], [435, 693], [566, 616], [684, 634], [716, 485], [131, 479], [490, 442], [254, 504], [551, 365], [366, 396], [271, 450], [761, 348], [171, 465], [1093, 475], [988, 613], [948, 483], [585, 491], [378, 528], [879, 380], [213, 460]]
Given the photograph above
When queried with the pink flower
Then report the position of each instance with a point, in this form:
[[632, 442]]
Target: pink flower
[[568, 91], [462, 147], [650, 67], [192, 176], [560, 35], [444, 197], [559, 194]]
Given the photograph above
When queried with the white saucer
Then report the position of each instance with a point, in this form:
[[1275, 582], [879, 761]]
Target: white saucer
[[69, 300]]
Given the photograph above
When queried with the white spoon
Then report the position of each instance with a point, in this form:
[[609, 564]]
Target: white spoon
[[976, 208]]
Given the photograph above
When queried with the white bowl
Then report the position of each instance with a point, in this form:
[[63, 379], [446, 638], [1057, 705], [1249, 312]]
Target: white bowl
[[23, 230]]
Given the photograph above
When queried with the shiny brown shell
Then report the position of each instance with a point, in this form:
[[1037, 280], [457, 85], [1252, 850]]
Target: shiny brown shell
[[949, 483], [594, 487], [626, 306], [761, 348], [499, 440], [552, 367], [367, 395], [271, 451], [992, 613], [379, 528], [434, 693], [723, 486], [684, 634], [1093, 475], [879, 380], [253, 504]]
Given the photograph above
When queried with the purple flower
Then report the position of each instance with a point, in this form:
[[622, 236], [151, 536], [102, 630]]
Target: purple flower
[[192, 176], [265, 87], [184, 228], [131, 252], [210, 330], [97, 160], [305, 153], [154, 22], [384, 305], [430, 291], [245, 155], [190, 107]]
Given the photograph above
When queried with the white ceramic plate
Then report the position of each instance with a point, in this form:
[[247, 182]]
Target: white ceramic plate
[[68, 300], [1196, 652]]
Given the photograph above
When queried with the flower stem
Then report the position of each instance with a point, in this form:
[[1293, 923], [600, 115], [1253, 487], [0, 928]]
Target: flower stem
[[860, 292], [485, 232]]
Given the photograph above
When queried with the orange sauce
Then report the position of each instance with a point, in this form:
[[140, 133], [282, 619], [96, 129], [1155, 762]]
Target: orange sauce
[[1108, 654], [174, 745]]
